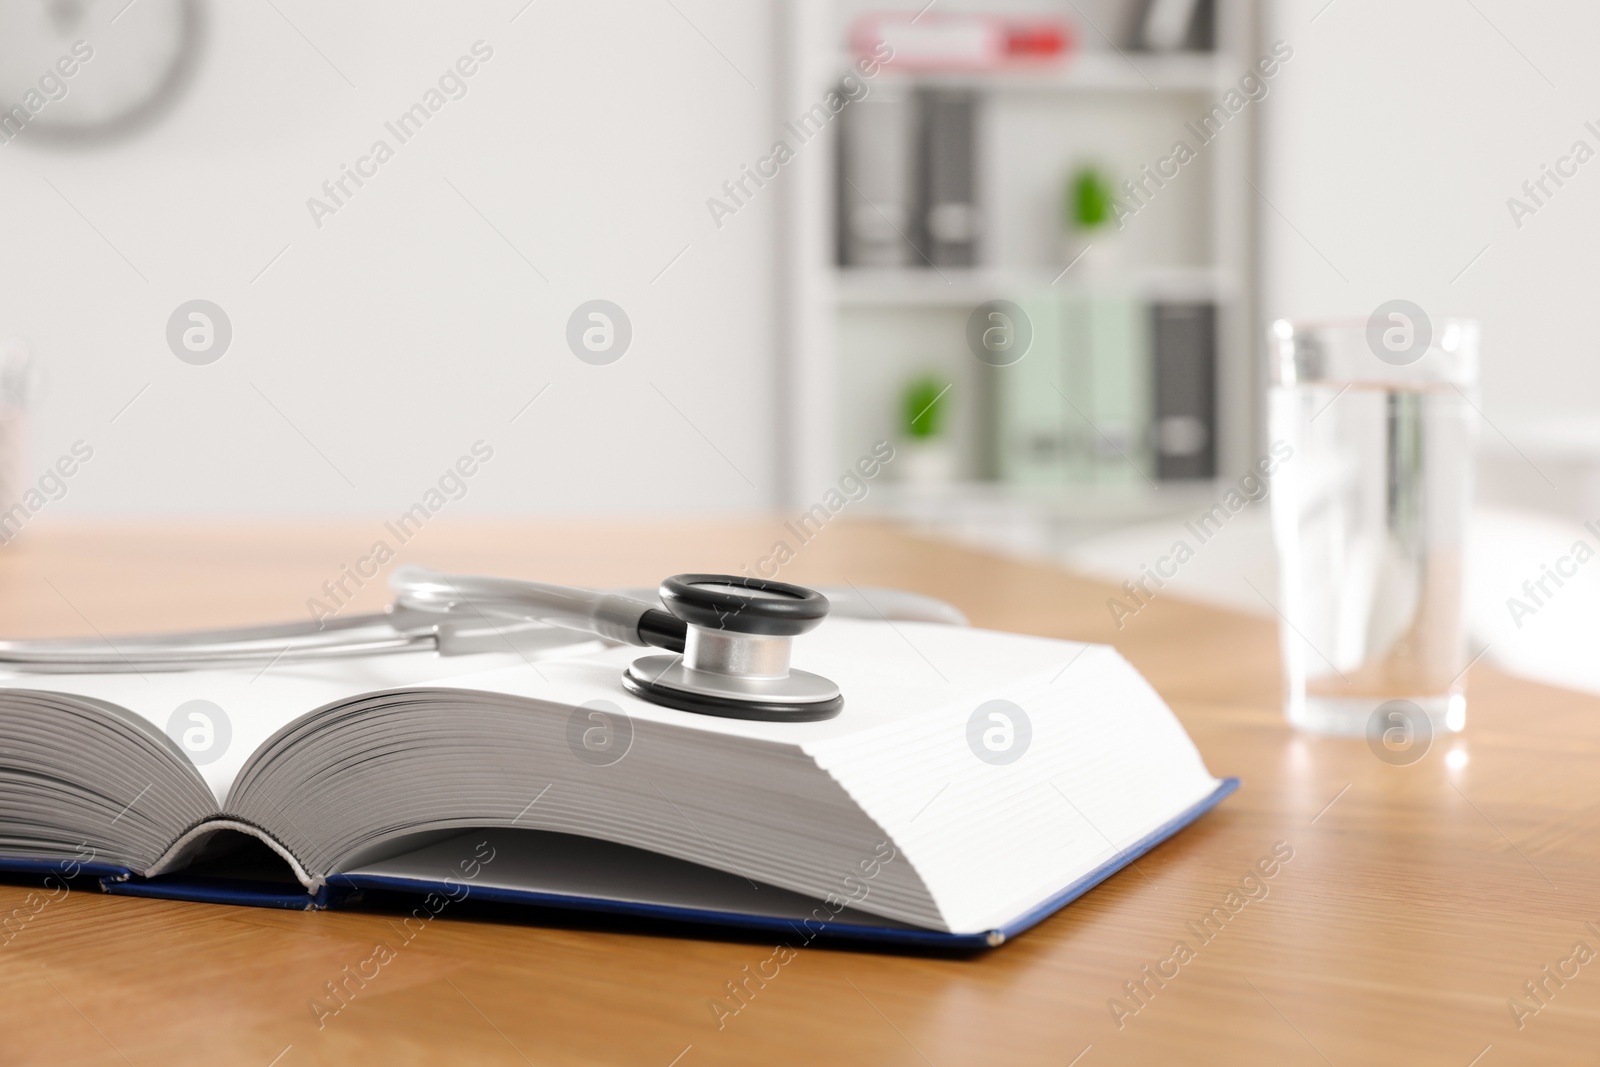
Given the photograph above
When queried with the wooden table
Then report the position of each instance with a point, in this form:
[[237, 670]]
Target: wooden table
[[1418, 902]]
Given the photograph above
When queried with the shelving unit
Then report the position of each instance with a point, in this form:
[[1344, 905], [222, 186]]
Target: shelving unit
[[854, 335], [965, 288], [1029, 522], [1107, 71]]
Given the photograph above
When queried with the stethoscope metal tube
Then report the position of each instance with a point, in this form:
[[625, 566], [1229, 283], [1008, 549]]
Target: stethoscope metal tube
[[609, 615]]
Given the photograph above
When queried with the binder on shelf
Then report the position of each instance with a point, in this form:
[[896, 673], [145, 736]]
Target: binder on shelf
[[941, 42], [1178, 25], [1184, 357], [877, 162], [1108, 383], [947, 196], [1033, 440]]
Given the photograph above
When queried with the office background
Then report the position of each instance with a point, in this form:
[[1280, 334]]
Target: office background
[[371, 351], [432, 307]]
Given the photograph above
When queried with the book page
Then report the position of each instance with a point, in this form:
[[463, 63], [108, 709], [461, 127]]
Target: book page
[[890, 673], [218, 718]]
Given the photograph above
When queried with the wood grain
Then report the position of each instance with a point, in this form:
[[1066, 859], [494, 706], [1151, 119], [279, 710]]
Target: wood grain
[[1418, 901]]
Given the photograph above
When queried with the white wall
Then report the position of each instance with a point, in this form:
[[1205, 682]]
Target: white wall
[[1392, 142], [405, 328]]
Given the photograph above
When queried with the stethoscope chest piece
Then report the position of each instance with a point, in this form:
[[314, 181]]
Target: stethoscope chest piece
[[735, 660]]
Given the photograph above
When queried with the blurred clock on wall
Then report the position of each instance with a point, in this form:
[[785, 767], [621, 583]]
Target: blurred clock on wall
[[92, 70]]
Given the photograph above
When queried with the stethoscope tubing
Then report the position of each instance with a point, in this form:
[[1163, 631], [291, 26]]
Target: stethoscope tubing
[[448, 614]]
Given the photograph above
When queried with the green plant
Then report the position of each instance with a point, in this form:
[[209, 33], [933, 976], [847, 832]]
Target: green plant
[[1089, 199], [923, 408]]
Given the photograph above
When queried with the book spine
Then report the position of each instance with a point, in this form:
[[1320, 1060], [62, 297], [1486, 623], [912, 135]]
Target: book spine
[[1184, 359]]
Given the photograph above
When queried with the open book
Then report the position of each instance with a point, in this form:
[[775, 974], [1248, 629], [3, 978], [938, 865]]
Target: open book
[[974, 783]]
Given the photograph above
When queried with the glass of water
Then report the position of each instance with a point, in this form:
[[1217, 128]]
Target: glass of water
[[1369, 513]]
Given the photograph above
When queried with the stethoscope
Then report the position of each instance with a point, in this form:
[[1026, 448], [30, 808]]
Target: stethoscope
[[730, 636]]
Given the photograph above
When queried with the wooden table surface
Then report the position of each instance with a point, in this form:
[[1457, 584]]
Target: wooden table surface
[[1419, 901]]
